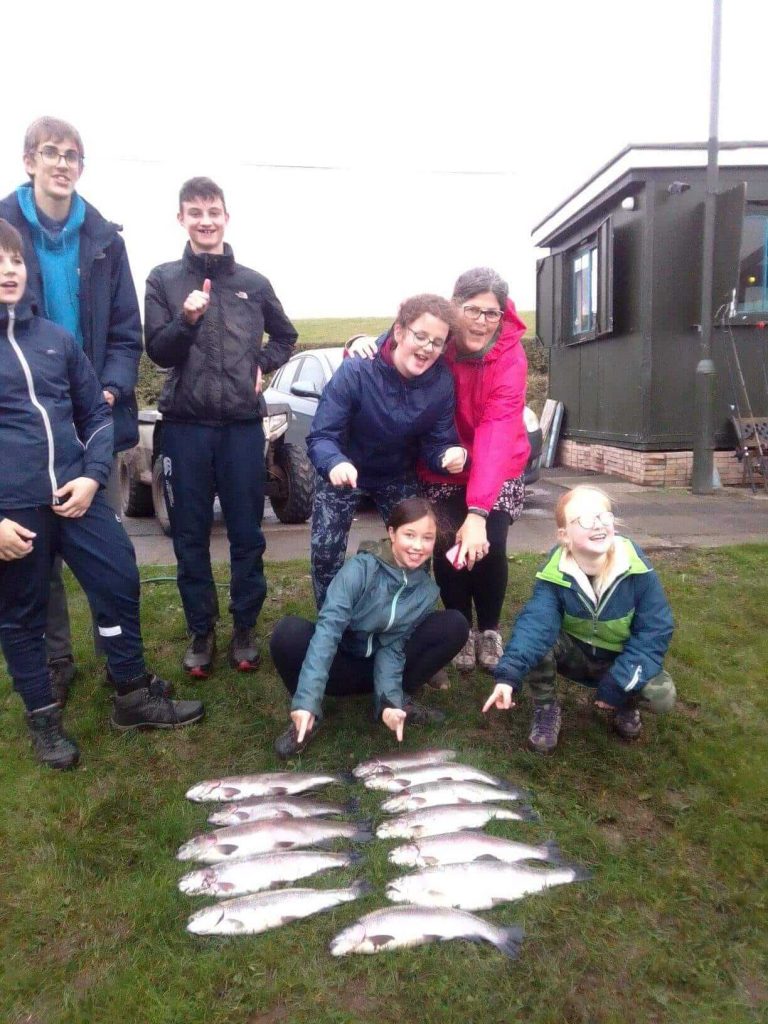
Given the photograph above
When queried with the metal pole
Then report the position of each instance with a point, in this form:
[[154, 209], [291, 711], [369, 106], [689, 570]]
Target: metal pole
[[704, 443]]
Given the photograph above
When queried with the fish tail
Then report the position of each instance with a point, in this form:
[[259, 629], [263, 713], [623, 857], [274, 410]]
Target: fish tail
[[581, 874], [346, 777], [510, 940], [363, 835], [527, 813], [353, 856], [361, 888], [351, 806], [553, 852]]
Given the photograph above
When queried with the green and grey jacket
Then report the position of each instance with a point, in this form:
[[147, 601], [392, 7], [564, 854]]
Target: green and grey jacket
[[630, 623], [371, 608]]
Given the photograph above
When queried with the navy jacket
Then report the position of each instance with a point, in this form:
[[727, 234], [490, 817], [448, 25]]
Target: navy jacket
[[373, 417], [109, 310], [213, 363], [54, 423]]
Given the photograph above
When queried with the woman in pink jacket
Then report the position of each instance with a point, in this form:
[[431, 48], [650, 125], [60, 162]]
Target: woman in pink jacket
[[478, 505]]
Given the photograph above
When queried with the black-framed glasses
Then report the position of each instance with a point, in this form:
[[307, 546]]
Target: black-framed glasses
[[605, 518], [423, 340], [492, 316], [52, 155]]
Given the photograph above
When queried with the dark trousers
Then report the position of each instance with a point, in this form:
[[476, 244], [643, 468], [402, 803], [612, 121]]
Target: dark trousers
[[332, 514], [483, 587], [428, 649], [198, 463], [99, 553]]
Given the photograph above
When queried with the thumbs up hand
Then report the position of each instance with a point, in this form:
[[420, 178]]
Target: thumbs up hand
[[196, 303]]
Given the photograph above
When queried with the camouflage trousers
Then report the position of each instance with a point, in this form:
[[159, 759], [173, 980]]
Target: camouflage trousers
[[570, 660], [332, 514]]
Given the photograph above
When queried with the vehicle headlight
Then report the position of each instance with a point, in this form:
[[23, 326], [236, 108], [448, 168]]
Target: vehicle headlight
[[275, 426], [530, 419]]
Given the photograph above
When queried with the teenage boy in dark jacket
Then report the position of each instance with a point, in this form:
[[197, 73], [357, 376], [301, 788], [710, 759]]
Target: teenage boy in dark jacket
[[78, 276], [56, 434], [205, 317]]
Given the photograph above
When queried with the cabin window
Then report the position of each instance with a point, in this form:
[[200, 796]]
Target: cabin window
[[584, 290], [752, 293]]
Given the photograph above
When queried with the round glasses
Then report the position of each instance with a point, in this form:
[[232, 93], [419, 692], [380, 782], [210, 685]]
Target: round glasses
[[52, 155], [492, 316], [591, 522], [423, 340]]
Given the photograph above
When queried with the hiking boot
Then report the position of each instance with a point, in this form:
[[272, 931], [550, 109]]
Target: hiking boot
[[287, 743], [489, 649], [109, 680], [148, 708], [545, 728], [420, 714], [61, 672], [627, 723], [51, 744], [244, 653], [465, 659], [439, 681], [199, 655]]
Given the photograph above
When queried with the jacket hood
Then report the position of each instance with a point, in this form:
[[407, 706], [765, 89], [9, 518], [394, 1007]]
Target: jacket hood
[[100, 230], [511, 331], [22, 311], [562, 568]]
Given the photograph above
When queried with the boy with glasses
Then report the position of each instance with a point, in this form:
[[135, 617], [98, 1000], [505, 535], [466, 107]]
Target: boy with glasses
[[78, 276]]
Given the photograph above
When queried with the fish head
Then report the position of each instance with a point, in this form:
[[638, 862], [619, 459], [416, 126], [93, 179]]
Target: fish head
[[195, 846], [205, 921], [348, 941], [196, 882], [407, 855], [202, 791]]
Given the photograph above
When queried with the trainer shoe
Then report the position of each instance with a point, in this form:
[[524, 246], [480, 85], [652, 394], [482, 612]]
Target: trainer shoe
[[51, 744], [61, 672], [465, 659], [545, 728], [244, 653], [287, 743], [420, 714], [199, 655], [148, 708], [627, 723], [489, 649]]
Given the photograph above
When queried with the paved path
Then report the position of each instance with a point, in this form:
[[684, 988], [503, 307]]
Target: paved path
[[670, 518]]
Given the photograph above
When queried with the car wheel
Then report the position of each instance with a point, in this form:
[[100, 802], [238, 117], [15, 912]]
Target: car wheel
[[296, 479], [158, 496], [135, 497]]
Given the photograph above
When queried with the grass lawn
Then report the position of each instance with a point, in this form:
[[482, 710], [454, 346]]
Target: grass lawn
[[671, 929]]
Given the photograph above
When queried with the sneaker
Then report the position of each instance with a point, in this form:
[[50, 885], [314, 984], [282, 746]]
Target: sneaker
[[627, 723], [61, 672], [244, 653], [465, 659], [420, 714], [51, 744], [489, 649], [148, 708], [199, 655], [439, 681], [545, 728], [287, 743]]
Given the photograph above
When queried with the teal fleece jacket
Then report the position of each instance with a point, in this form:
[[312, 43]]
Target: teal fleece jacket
[[371, 608]]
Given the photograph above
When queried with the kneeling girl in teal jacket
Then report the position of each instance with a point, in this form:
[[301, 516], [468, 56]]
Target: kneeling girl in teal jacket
[[599, 616]]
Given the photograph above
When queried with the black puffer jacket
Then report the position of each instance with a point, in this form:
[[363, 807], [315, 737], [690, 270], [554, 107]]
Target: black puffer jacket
[[213, 363]]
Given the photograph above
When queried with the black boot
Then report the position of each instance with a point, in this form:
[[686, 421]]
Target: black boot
[[61, 672], [199, 655], [420, 714], [109, 681], [244, 653], [147, 707], [287, 743], [51, 744]]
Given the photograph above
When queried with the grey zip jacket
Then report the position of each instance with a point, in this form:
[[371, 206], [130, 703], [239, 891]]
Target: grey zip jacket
[[371, 608], [54, 423]]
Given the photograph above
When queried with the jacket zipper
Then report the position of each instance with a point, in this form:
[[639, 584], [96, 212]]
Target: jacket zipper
[[392, 611], [595, 612], [33, 397]]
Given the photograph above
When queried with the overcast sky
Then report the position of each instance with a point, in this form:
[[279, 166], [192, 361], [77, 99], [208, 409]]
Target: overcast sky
[[369, 151]]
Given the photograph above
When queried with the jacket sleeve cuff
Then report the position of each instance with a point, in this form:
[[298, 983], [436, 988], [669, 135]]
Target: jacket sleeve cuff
[[609, 692], [382, 703], [314, 707], [500, 677]]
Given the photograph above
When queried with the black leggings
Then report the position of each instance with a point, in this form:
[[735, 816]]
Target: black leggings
[[431, 646], [486, 584]]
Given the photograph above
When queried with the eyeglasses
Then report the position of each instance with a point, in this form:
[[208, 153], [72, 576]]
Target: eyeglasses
[[492, 316], [424, 341], [52, 155], [591, 522]]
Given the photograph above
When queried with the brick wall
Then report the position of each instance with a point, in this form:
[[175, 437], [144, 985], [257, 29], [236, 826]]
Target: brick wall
[[651, 469]]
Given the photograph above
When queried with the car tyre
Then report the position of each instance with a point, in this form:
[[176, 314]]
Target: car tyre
[[158, 496], [296, 477], [135, 497]]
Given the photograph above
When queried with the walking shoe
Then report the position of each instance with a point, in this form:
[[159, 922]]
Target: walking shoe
[[51, 744], [109, 680], [199, 655], [244, 653], [489, 649], [287, 743], [627, 723], [61, 672], [148, 708], [545, 728], [439, 681], [465, 659], [420, 714]]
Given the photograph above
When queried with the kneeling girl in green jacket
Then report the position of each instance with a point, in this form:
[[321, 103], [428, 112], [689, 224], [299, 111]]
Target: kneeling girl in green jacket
[[377, 632]]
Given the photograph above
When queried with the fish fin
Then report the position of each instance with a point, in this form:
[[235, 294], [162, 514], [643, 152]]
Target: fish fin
[[286, 844], [279, 791], [380, 940], [289, 919], [226, 848], [463, 801], [230, 792], [361, 888], [352, 805], [581, 874], [510, 941], [554, 853], [488, 856], [226, 886], [363, 835], [527, 813]]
